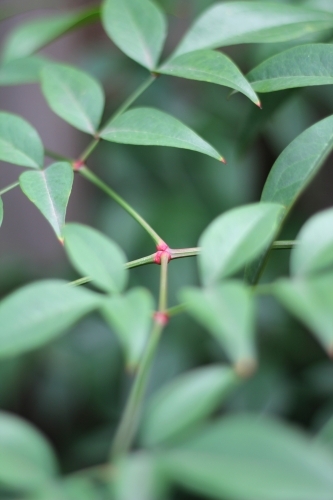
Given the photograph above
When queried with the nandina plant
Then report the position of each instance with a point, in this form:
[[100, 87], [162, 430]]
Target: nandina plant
[[171, 439]]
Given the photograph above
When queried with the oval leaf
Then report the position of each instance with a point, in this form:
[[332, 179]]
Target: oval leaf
[[131, 318], [19, 142], [251, 458], [27, 461], [20, 71], [236, 237], [95, 255], [73, 95], [182, 404], [251, 22], [210, 66], [33, 35], [314, 253], [151, 127], [311, 302], [227, 312], [137, 478], [49, 190], [46, 309], [138, 28], [301, 66]]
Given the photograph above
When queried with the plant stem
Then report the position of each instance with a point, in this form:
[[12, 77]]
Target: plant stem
[[80, 281], [133, 97], [8, 188], [284, 245], [89, 149], [118, 199], [56, 156], [175, 310], [179, 253], [129, 422], [141, 262]]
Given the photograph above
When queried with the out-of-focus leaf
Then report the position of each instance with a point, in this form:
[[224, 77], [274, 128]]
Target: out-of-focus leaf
[[26, 458], [151, 127], [229, 23], [182, 404], [19, 142], [251, 458], [227, 311], [49, 190], [325, 5], [325, 435], [291, 173], [138, 28], [300, 66], [131, 317], [95, 255], [33, 315], [235, 238], [311, 302], [73, 95], [210, 66], [20, 71], [34, 35], [314, 252]]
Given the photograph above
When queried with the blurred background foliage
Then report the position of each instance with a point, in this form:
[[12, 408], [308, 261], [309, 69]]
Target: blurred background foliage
[[75, 388]]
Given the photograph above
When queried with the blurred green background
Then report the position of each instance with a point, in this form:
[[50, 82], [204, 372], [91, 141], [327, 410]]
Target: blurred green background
[[75, 388]]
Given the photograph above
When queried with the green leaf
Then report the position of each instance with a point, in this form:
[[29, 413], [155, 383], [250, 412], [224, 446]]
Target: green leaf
[[227, 312], [251, 22], [151, 127], [314, 252], [1, 211], [20, 71], [49, 190], [210, 66], [27, 461], [138, 28], [300, 66], [325, 435], [74, 96], [311, 302], [131, 317], [251, 458], [137, 478], [185, 402], [235, 238], [292, 172], [19, 142], [34, 35], [93, 254], [35, 314]]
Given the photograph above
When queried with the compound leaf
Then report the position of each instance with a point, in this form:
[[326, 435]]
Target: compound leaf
[[23, 70]]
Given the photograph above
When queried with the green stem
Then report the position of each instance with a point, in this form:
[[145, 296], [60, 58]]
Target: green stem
[[56, 156], [262, 289], [118, 199], [141, 262], [175, 310], [80, 281], [284, 245], [89, 149], [129, 422], [133, 97], [179, 253], [8, 188]]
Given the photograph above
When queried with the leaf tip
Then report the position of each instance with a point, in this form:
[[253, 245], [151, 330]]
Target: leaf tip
[[62, 240], [245, 368], [258, 103], [223, 160]]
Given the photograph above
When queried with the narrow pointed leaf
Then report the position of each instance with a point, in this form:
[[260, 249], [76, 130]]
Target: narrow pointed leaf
[[210, 66], [27, 460], [292, 172], [35, 314], [73, 95], [314, 252], [20, 71], [302, 66], [227, 23], [49, 190], [19, 142], [251, 458], [311, 302], [131, 316], [181, 405], [1, 211], [151, 127], [138, 28], [235, 238], [34, 35], [95, 255], [227, 312]]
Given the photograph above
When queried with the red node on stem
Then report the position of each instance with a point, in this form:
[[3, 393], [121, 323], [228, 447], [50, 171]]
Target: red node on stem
[[162, 249], [162, 318], [77, 165]]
